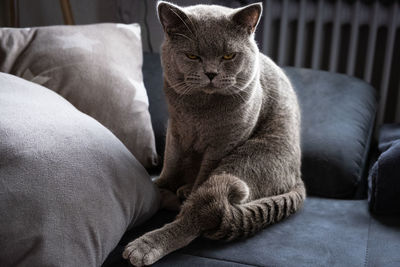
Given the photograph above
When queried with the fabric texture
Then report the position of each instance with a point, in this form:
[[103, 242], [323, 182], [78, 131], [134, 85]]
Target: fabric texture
[[69, 189], [95, 67], [384, 177], [337, 119], [326, 232], [338, 114]]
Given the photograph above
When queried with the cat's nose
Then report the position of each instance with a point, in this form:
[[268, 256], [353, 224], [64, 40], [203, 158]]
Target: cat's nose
[[211, 75]]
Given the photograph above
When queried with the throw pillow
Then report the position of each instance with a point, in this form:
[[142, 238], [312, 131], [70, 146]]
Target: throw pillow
[[95, 67], [69, 189]]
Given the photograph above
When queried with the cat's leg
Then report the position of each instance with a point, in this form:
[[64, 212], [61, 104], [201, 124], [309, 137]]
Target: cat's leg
[[202, 211], [169, 177], [209, 162], [154, 245]]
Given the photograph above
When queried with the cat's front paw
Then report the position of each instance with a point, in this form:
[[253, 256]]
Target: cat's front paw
[[141, 252]]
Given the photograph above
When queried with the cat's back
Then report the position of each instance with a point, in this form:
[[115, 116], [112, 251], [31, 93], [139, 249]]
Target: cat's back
[[271, 75], [278, 91], [274, 80]]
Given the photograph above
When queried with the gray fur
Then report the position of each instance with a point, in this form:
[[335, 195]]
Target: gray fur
[[233, 150]]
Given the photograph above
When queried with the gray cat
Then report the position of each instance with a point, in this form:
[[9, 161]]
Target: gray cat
[[233, 152]]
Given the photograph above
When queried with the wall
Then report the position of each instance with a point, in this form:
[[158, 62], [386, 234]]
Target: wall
[[48, 12], [134, 11]]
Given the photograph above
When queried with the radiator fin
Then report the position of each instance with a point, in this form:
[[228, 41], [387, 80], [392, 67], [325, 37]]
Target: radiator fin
[[339, 36]]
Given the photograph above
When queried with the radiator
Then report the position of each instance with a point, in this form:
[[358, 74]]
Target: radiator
[[358, 38]]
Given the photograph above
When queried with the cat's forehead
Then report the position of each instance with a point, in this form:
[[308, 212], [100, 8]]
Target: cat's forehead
[[214, 30], [209, 17], [208, 11], [211, 41]]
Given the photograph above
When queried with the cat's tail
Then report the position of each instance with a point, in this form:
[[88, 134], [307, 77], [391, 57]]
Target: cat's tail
[[239, 219]]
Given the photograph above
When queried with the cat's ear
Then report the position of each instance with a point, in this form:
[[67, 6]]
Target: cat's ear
[[248, 16], [172, 18]]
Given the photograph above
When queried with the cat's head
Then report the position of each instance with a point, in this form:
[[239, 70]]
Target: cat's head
[[209, 48]]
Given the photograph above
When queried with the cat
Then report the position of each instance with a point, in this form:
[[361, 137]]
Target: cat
[[232, 147]]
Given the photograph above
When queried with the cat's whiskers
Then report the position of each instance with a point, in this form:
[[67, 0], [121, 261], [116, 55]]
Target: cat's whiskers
[[178, 84], [185, 90], [238, 93], [181, 86], [236, 98], [242, 82]]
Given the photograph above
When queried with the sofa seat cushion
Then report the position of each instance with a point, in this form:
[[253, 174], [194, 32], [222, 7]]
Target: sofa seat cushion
[[384, 177], [69, 189], [153, 79], [337, 120], [326, 232]]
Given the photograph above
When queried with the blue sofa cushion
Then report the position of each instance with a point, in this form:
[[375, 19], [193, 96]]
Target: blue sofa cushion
[[337, 120], [338, 115], [384, 178], [326, 232], [152, 77]]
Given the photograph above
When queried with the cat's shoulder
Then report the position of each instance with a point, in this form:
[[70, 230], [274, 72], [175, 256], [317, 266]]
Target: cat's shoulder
[[270, 72], [268, 67]]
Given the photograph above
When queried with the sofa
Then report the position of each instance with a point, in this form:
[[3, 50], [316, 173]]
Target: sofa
[[335, 227], [75, 189]]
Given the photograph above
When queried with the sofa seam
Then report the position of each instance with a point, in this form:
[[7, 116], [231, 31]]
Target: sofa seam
[[363, 172], [367, 246], [211, 258], [365, 164], [374, 188]]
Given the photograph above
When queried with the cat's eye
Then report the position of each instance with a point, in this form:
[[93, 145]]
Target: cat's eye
[[229, 56], [194, 57]]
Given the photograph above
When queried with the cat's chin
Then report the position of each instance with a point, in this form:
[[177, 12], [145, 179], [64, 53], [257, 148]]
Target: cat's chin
[[211, 90], [220, 91]]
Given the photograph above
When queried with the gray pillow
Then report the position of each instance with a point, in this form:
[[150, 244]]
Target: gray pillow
[[97, 68], [69, 188]]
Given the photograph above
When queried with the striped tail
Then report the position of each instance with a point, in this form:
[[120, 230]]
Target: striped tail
[[240, 220]]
